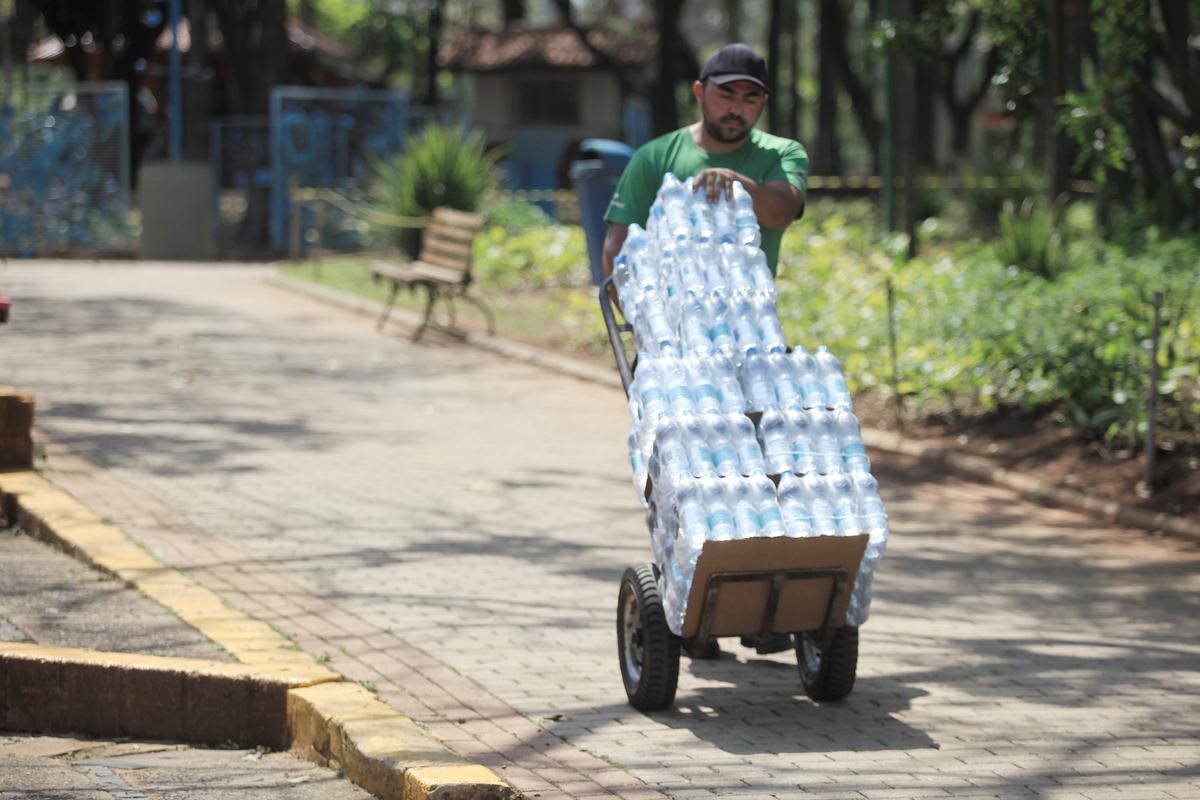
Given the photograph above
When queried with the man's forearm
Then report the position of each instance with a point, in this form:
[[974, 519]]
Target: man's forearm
[[776, 204]]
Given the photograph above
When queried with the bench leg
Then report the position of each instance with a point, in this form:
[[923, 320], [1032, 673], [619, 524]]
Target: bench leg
[[483, 309], [430, 296], [387, 309]]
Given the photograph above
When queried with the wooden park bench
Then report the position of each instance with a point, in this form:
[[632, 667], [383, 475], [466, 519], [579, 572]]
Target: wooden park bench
[[443, 267]]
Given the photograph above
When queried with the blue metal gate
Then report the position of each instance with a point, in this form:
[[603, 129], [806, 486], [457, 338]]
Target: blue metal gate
[[64, 171]]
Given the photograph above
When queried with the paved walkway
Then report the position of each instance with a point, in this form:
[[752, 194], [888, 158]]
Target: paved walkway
[[451, 528], [49, 598]]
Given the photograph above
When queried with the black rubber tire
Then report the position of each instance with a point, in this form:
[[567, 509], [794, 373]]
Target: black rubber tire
[[647, 650], [828, 677]]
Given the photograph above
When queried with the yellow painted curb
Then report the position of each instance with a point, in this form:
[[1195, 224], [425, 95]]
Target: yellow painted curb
[[60, 690], [344, 725], [278, 696]]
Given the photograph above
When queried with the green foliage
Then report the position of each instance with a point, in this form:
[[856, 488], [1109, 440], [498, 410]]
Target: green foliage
[[976, 334], [1018, 32], [1030, 239], [516, 215], [538, 257], [443, 166]]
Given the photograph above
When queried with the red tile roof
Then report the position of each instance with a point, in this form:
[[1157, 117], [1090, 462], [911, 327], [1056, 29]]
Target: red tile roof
[[559, 48]]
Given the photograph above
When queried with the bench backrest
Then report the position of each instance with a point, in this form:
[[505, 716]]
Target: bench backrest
[[446, 242]]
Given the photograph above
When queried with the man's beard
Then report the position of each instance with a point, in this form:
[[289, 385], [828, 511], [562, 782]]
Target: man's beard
[[714, 129]]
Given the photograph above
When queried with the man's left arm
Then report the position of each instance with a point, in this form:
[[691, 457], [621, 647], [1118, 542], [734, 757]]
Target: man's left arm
[[778, 198], [777, 203]]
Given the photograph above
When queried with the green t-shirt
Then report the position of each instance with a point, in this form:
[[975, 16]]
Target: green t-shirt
[[762, 158]]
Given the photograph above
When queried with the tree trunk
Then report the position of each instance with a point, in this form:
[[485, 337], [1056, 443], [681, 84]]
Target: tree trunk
[[431, 54], [1056, 86], [514, 11], [675, 62], [198, 89], [907, 134], [827, 158], [774, 30], [306, 11], [255, 40], [861, 101], [733, 19], [962, 111], [794, 30]]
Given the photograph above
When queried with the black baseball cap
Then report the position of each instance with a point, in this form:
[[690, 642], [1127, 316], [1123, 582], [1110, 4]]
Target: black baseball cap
[[735, 62]]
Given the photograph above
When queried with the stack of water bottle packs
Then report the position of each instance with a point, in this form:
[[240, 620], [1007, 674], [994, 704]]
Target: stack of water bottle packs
[[720, 405]]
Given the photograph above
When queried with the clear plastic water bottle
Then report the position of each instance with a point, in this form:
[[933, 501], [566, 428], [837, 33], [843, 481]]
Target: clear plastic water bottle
[[770, 329], [873, 518], [745, 327], [674, 197], [703, 224], [760, 272], [716, 507], [671, 457], [797, 520], [720, 441], [719, 332], [770, 516], [637, 460], [710, 266], [693, 527], [783, 375], [750, 455], [675, 382], [775, 435], [845, 515], [854, 453], [704, 389], [699, 449], [745, 515], [826, 451], [641, 257], [647, 385], [809, 374], [691, 275], [733, 399], [694, 327], [756, 383], [726, 230], [654, 220], [803, 459], [820, 505], [744, 218], [733, 263], [837, 394], [627, 293], [654, 316]]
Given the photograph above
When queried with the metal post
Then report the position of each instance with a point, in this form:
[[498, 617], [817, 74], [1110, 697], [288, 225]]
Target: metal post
[[898, 401], [176, 64], [1147, 485], [888, 156]]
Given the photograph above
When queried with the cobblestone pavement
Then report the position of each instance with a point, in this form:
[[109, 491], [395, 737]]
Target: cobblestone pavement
[[452, 528]]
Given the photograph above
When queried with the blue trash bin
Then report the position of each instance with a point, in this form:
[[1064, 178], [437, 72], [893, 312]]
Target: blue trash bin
[[594, 178]]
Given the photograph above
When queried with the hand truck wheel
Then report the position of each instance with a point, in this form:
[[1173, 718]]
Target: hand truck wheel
[[648, 651], [828, 675]]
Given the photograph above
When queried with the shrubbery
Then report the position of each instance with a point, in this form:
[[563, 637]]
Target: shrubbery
[[442, 166], [976, 333]]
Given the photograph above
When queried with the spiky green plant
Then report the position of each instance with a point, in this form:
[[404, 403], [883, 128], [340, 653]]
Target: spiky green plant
[[442, 166], [1031, 240]]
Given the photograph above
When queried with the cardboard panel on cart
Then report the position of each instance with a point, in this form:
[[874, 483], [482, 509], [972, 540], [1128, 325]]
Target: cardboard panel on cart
[[741, 607]]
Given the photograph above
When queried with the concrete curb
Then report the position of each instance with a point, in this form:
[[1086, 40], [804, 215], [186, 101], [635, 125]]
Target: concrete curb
[[966, 464], [277, 697]]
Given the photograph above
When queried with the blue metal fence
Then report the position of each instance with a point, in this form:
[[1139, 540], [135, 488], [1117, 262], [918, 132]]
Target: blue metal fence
[[64, 171], [327, 138]]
